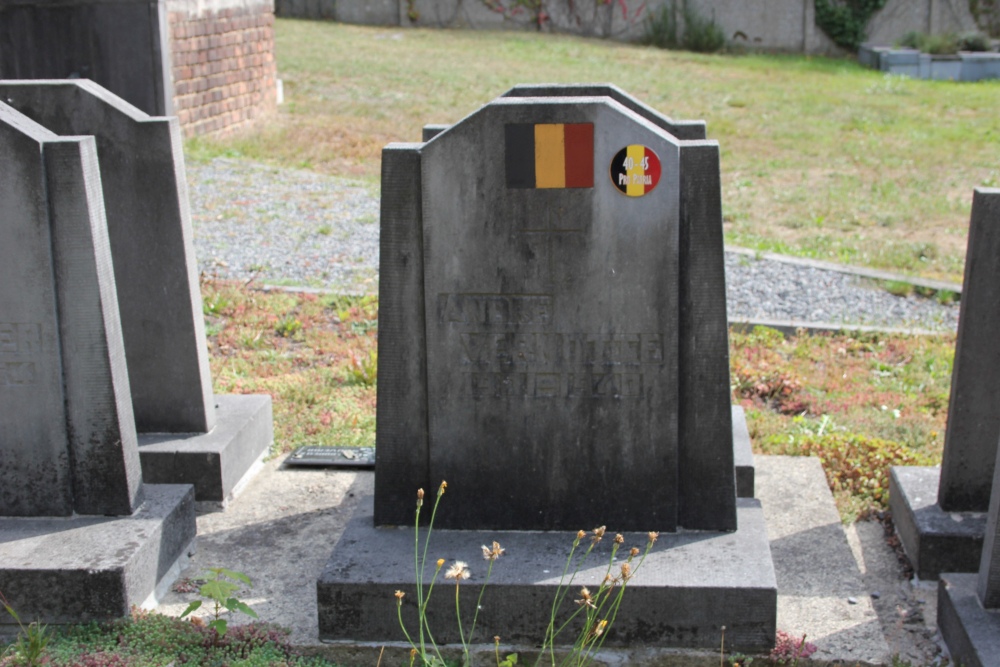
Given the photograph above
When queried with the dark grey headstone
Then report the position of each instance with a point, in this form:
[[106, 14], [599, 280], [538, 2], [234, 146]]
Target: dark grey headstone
[[682, 129], [145, 193], [973, 430], [67, 437], [122, 45], [574, 338]]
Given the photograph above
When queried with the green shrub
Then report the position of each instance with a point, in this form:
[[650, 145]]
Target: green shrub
[[661, 28], [974, 41], [700, 34]]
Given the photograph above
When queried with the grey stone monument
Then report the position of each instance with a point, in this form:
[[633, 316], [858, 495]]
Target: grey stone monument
[[969, 603], [681, 129], [553, 343], [186, 434], [940, 513], [81, 536]]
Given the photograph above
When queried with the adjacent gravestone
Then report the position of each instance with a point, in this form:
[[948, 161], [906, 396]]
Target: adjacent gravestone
[[68, 453], [553, 343], [940, 513], [142, 171], [968, 603]]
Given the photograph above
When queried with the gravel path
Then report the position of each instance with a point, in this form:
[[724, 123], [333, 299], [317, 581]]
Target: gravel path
[[294, 227]]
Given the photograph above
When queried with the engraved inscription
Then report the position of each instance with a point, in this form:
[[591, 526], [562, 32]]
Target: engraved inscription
[[20, 338], [494, 311], [20, 344], [510, 351], [555, 385]]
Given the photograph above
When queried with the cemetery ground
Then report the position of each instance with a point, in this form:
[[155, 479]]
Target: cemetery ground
[[820, 157], [859, 402]]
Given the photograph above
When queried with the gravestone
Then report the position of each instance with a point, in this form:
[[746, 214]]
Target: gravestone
[[553, 343], [969, 603], [940, 512], [681, 129], [187, 435], [81, 536]]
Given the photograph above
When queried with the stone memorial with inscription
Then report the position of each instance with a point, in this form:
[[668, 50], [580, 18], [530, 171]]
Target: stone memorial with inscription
[[186, 433], [553, 343], [940, 513], [81, 536]]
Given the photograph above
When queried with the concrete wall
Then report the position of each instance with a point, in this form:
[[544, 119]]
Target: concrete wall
[[211, 62], [771, 25]]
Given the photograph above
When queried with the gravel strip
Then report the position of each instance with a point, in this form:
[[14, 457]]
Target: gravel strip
[[294, 227]]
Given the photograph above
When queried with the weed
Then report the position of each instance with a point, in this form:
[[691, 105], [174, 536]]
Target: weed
[[596, 610], [661, 27], [946, 297], [324, 230], [788, 650], [222, 594], [899, 287], [29, 647], [288, 326], [701, 34], [363, 370]]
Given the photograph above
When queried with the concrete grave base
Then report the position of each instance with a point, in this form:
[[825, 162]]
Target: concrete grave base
[[934, 540], [690, 585], [971, 632], [91, 568], [742, 454], [217, 463]]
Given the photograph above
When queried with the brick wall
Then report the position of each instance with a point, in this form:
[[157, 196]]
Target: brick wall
[[222, 63]]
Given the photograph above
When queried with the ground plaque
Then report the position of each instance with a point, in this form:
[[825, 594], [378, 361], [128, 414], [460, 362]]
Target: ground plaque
[[553, 343]]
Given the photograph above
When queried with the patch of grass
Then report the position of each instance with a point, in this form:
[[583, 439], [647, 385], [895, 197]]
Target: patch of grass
[[861, 402], [846, 164], [898, 287], [302, 349], [148, 639]]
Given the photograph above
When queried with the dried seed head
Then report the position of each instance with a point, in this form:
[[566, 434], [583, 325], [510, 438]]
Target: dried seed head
[[399, 597], [634, 552], [494, 552], [442, 488], [440, 563], [626, 571], [496, 640], [598, 534], [619, 539], [420, 498], [600, 627], [585, 599], [458, 571], [653, 537]]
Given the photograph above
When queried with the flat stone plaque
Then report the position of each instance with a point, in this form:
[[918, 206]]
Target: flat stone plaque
[[332, 457]]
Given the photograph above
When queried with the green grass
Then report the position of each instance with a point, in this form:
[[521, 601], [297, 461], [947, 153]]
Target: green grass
[[148, 639], [820, 158]]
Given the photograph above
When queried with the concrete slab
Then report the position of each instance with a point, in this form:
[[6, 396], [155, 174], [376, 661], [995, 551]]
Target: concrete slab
[[691, 583], [820, 591], [742, 454], [219, 462], [90, 568], [971, 632], [935, 541], [295, 514]]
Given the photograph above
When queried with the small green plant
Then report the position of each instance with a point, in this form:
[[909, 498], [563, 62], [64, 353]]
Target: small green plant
[[222, 594], [946, 296], [288, 326], [974, 41], [29, 647], [598, 610], [899, 287], [324, 230], [788, 650], [363, 370]]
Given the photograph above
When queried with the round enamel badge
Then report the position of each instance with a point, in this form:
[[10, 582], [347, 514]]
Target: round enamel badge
[[635, 170]]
